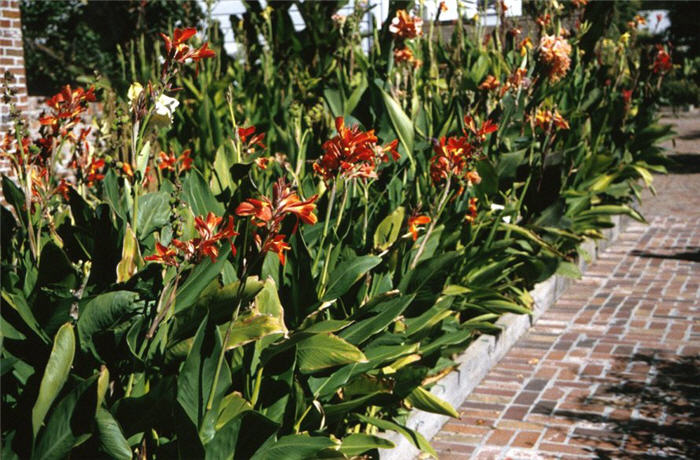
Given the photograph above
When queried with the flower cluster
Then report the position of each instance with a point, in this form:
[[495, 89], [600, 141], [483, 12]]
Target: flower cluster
[[268, 215], [168, 162], [177, 50], [353, 153], [66, 107], [250, 140], [490, 83], [405, 55], [554, 54], [406, 26], [662, 61], [206, 245], [545, 119], [454, 156]]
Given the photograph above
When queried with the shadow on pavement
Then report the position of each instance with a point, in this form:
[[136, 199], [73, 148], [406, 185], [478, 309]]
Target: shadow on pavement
[[684, 163], [656, 417], [691, 256]]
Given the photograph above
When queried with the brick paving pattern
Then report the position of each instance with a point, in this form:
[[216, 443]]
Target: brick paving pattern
[[611, 370]]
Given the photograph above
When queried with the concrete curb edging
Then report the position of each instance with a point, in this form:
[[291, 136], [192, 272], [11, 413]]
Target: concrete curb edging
[[482, 354]]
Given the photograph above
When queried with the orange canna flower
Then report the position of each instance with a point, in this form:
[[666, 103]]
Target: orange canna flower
[[250, 140], [414, 222], [472, 212], [93, 173], [405, 55], [406, 26], [490, 83], [163, 255], [278, 245], [554, 54], [352, 153], [166, 161], [544, 119]]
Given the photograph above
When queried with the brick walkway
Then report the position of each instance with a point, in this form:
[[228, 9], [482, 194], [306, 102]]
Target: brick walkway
[[612, 370]]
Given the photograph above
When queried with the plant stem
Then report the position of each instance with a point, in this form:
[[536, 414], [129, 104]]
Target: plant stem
[[433, 222]]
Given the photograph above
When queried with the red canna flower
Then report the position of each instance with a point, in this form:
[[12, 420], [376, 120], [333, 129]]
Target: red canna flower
[[250, 140], [414, 222], [406, 26], [93, 172], [352, 153], [163, 255], [268, 214], [206, 245], [177, 50], [627, 96], [490, 83], [662, 61], [278, 245], [166, 161], [66, 106], [185, 161]]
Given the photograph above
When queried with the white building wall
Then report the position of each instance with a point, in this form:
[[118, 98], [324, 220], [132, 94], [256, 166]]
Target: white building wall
[[222, 9]]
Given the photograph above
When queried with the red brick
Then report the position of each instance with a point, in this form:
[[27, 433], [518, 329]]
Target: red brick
[[500, 437], [526, 439]]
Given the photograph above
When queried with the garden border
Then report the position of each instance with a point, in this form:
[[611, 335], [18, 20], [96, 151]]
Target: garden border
[[486, 351]]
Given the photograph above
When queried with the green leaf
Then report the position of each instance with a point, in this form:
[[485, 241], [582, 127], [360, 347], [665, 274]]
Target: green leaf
[[199, 279], [59, 436], [426, 271], [103, 312], [569, 270], [358, 444], [252, 326], [55, 374], [142, 158], [111, 438], [295, 447], [402, 124], [347, 274], [20, 305], [416, 438], [321, 351], [422, 399], [197, 193], [232, 405], [388, 229], [194, 384], [389, 311], [153, 213]]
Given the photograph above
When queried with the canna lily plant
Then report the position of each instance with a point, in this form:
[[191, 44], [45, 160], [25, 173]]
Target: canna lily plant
[[279, 257]]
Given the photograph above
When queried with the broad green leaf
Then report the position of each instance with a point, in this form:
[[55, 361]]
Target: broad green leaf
[[20, 305], [111, 439], [358, 444], [321, 351], [295, 447], [422, 399], [232, 405], [252, 326], [197, 193], [347, 274], [611, 210], [402, 124], [153, 212], [194, 384], [388, 229], [103, 312], [55, 374], [426, 271], [199, 279], [387, 313], [73, 412], [415, 437]]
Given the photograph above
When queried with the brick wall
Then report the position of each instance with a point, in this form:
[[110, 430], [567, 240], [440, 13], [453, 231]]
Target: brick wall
[[11, 60]]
